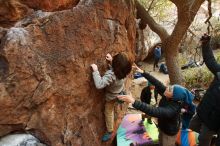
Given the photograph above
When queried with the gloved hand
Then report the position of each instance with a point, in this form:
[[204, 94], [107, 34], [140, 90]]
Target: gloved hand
[[205, 38]]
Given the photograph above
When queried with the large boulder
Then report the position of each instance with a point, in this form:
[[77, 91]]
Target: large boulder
[[46, 86], [12, 11]]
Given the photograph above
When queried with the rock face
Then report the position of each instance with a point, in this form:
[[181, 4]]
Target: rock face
[[46, 86], [141, 50], [13, 10], [50, 5]]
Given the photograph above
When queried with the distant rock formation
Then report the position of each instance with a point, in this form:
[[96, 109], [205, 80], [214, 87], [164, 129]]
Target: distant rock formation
[[46, 86]]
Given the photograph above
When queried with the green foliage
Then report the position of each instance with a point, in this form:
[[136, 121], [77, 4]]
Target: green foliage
[[145, 3], [198, 77], [216, 40], [218, 57], [158, 8], [182, 60]]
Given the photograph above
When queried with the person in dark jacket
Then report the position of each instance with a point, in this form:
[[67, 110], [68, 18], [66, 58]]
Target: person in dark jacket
[[188, 108], [184, 96], [157, 55], [163, 68], [207, 119], [146, 95], [168, 111]]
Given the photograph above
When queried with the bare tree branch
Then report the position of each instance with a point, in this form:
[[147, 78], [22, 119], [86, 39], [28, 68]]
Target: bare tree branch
[[210, 16], [195, 6], [150, 6], [185, 18], [190, 31], [210, 10], [187, 10], [146, 19]]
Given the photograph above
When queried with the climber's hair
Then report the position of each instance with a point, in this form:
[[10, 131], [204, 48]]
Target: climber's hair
[[122, 65]]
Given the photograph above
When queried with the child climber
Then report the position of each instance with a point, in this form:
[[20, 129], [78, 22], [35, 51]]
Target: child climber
[[113, 82]]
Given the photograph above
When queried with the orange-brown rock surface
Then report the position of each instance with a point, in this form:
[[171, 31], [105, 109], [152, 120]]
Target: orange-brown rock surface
[[46, 86], [12, 11], [50, 5]]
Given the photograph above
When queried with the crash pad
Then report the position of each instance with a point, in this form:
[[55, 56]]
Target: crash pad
[[132, 131]]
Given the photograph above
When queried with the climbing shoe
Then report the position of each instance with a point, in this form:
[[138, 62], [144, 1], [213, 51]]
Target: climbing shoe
[[107, 136]]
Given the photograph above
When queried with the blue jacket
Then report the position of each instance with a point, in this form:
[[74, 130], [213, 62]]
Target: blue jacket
[[157, 52], [184, 95]]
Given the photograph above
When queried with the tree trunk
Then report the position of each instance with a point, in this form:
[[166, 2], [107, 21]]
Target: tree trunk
[[186, 14], [171, 56]]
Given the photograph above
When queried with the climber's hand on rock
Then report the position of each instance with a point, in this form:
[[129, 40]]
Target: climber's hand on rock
[[108, 57], [94, 67], [126, 98]]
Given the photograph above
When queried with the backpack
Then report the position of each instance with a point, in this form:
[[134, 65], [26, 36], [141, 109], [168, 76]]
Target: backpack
[[163, 69]]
